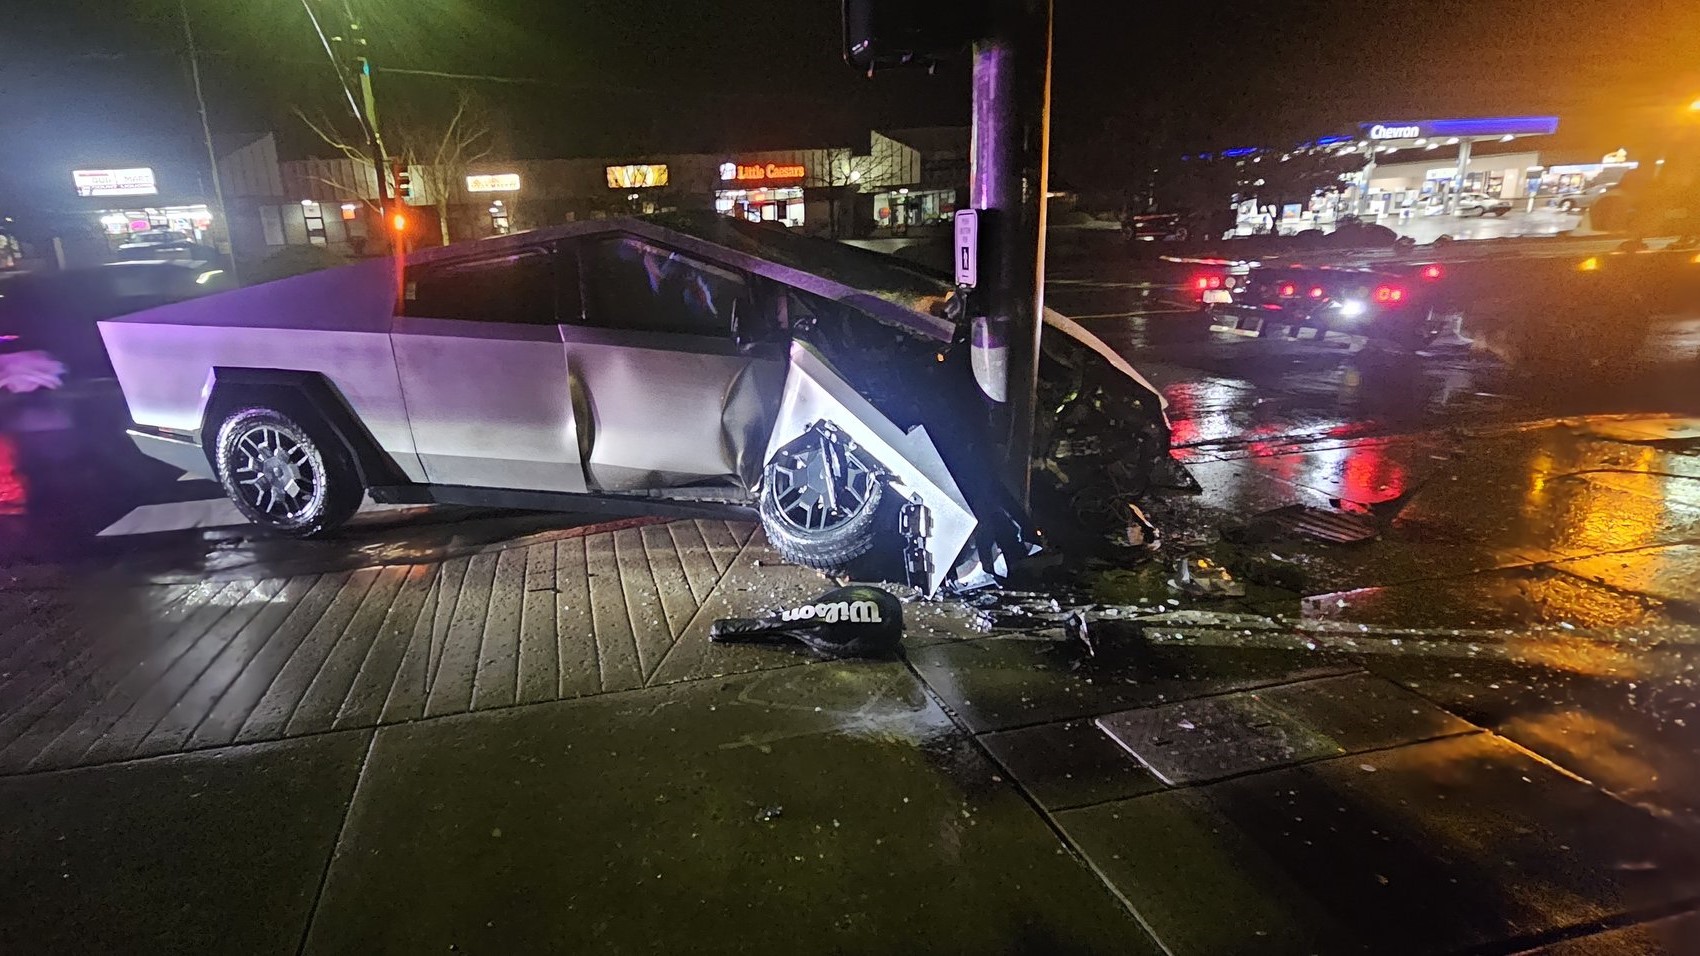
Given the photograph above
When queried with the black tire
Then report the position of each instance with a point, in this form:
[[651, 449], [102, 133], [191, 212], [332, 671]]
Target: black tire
[[1501, 213], [1566, 206], [286, 471], [839, 537]]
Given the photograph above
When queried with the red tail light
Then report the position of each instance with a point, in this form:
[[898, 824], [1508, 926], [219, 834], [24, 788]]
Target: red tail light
[[1201, 283], [1287, 290], [1316, 292], [1389, 294], [1433, 272]]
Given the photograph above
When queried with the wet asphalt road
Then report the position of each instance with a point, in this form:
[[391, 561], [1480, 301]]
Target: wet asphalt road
[[1226, 388]]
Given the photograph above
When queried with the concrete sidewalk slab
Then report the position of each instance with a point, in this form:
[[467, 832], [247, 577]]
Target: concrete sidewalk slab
[[1674, 935], [826, 808], [198, 853], [1434, 847], [1069, 764], [1194, 741], [999, 683], [1624, 717]]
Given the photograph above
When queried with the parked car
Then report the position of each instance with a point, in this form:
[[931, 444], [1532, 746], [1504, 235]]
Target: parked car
[[1481, 204], [1584, 200], [163, 244], [673, 365]]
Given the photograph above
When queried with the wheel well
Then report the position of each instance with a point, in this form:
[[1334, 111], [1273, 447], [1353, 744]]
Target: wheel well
[[302, 393]]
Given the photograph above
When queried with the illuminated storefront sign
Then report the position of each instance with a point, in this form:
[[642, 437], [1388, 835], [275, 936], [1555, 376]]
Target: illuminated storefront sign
[[641, 176], [761, 173], [114, 182], [493, 183]]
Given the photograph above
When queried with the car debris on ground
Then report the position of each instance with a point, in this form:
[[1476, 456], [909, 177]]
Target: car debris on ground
[[1202, 577]]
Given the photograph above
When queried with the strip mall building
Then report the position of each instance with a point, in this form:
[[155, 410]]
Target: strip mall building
[[901, 178]]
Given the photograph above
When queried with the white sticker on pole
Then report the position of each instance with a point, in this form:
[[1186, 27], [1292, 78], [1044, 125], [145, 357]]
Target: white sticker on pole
[[968, 248]]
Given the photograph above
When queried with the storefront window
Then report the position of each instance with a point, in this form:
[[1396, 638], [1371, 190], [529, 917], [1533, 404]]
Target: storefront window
[[914, 208], [783, 204], [314, 215], [122, 225], [271, 223]]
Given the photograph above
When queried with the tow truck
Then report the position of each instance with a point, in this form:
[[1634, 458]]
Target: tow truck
[[1397, 303]]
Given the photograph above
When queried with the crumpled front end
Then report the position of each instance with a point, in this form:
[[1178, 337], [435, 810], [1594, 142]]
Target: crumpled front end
[[931, 536]]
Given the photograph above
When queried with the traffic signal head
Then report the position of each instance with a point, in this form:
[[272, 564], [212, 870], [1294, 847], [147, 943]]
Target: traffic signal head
[[404, 183]]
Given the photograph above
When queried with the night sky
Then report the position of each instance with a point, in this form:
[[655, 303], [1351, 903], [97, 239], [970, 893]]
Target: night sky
[[82, 79]]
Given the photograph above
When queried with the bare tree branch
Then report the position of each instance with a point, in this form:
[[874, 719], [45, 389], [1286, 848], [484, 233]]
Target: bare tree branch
[[439, 156], [352, 192], [328, 134]]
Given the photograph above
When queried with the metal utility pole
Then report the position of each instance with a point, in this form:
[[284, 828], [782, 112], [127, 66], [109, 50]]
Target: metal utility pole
[[1008, 181], [206, 133], [365, 109], [1462, 175]]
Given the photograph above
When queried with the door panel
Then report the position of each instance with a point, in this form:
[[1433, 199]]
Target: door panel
[[490, 403], [667, 410]]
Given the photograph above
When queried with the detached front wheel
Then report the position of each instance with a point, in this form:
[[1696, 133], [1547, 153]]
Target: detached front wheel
[[284, 474], [820, 500]]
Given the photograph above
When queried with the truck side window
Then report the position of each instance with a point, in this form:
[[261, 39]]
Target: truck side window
[[633, 285], [517, 288]]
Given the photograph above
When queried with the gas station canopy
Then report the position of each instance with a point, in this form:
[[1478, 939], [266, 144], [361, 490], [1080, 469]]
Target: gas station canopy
[[1402, 133]]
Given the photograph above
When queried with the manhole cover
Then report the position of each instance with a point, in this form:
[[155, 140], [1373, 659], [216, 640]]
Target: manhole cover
[[1200, 740]]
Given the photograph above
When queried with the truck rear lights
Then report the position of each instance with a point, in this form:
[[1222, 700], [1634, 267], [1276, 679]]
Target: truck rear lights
[[1287, 290], [1432, 272], [1389, 294]]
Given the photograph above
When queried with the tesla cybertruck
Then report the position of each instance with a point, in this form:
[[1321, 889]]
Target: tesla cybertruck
[[674, 365]]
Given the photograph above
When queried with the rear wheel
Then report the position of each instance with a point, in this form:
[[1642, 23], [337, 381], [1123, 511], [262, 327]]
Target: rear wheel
[[820, 500], [286, 472]]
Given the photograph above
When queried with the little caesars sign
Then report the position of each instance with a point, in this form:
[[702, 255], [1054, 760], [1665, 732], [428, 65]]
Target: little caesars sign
[[1379, 131]]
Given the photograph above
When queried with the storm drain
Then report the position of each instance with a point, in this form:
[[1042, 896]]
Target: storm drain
[[1335, 527], [1201, 740]]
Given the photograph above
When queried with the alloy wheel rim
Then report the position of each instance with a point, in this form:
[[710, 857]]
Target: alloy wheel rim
[[821, 486], [275, 473]]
